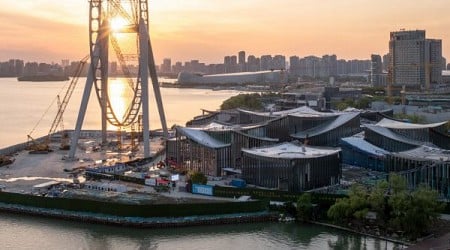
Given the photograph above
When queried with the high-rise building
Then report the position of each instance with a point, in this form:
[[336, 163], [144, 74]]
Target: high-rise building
[[415, 62], [227, 60], [309, 66], [266, 62], [227, 63], [279, 62], [166, 67], [386, 59], [233, 60], [252, 63], [241, 56], [376, 70], [177, 67], [65, 63], [294, 66], [19, 67], [433, 67], [44, 68], [327, 66], [241, 61], [31, 68], [231, 64]]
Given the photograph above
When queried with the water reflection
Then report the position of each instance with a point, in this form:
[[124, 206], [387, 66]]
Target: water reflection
[[120, 95], [74, 235]]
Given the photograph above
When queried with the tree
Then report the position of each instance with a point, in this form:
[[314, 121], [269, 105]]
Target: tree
[[411, 118], [345, 103], [355, 206], [198, 178], [304, 207], [426, 207], [358, 201], [397, 184], [249, 101], [414, 212], [363, 103], [378, 199], [340, 211], [410, 212]]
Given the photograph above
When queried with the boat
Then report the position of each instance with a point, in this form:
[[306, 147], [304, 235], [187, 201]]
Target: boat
[[43, 78]]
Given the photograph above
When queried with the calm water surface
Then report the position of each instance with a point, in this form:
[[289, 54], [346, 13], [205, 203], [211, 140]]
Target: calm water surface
[[22, 105], [24, 232]]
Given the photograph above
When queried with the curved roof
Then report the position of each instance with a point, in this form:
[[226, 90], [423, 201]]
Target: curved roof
[[289, 150], [394, 136], [388, 123], [300, 111], [243, 130], [425, 153], [326, 127], [363, 145], [214, 126], [202, 138], [258, 137]]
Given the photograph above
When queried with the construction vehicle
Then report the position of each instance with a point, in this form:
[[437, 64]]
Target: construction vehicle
[[37, 146], [5, 160], [43, 146]]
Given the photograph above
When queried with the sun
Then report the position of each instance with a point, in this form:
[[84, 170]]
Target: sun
[[118, 24]]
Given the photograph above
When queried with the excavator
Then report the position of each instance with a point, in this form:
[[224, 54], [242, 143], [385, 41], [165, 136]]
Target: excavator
[[5, 160], [42, 146]]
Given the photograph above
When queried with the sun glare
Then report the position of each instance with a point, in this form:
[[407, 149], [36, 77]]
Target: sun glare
[[117, 24], [118, 97]]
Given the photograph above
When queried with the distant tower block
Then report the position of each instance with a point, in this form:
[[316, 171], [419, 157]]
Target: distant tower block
[[122, 25]]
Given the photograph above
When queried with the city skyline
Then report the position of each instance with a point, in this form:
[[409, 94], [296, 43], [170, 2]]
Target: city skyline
[[207, 30]]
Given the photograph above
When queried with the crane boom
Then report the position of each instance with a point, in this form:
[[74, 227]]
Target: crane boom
[[69, 92]]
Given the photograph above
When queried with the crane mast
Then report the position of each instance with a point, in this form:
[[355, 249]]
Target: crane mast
[[61, 108]]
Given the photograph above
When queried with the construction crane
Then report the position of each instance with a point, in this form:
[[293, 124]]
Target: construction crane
[[61, 108], [43, 147]]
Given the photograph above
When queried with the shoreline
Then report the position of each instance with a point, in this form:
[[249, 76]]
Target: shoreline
[[404, 243], [172, 222], [140, 222]]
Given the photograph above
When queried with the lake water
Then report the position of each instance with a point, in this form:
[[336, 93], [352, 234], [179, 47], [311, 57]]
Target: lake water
[[25, 232], [22, 105]]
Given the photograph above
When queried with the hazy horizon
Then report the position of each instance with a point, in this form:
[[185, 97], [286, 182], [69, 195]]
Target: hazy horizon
[[48, 31]]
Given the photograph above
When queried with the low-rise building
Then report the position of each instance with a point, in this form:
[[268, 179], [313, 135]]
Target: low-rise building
[[423, 165], [358, 152], [291, 167], [260, 77], [105, 186]]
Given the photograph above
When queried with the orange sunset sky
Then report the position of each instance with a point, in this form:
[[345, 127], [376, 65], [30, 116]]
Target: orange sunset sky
[[50, 30]]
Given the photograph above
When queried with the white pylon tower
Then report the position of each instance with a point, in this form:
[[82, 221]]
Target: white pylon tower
[[108, 19]]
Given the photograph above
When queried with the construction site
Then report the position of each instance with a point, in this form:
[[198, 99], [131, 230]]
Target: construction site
[[122, 165]]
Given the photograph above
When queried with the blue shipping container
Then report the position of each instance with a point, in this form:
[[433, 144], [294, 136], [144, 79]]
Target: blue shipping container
[[202, 189], [238, 183]]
